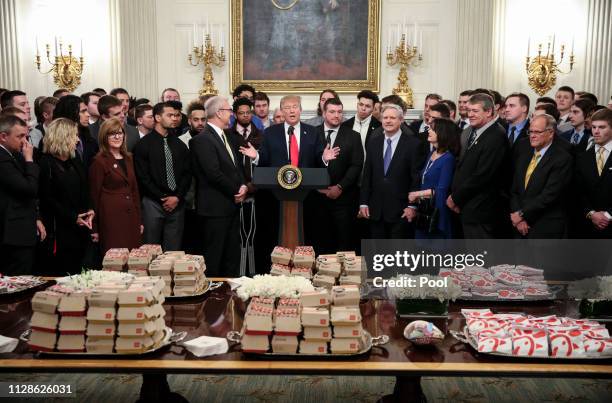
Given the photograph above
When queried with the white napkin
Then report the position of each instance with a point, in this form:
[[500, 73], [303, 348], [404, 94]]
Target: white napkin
[[7, 344], [237, 282], [205, 345]]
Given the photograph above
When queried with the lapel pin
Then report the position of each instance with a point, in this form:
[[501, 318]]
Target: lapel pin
[[114, 165]]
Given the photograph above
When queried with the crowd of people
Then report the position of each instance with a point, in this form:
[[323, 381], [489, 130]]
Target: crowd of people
[[99, 171]]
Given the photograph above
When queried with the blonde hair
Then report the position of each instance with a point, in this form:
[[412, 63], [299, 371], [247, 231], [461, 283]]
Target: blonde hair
[[108, 126], [291, 97], [61, 138]]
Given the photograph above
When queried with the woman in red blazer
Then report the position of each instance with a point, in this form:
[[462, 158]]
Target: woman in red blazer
[[114, 190]]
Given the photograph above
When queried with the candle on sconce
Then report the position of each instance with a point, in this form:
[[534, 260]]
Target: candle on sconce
[[222, 40], [81, 47], [415, 31], [37, 52], [56, 49], [195, 35], [207, 26], [389, 40], [572, 54], [398, 33], [528, 45], [553, 45], [421, 41]]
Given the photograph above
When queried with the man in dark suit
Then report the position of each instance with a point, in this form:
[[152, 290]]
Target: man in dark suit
[[541, 178], [244, 132], [420, 125], [594, 179], [337, 204], [579, 135], [221, 187], [363, 122], [516, 112], [18, 191], [110, 106], [389, 174], [479, 177]]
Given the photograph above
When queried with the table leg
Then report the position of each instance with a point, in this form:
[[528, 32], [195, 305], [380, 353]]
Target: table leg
[[155, 389], [407, 390]]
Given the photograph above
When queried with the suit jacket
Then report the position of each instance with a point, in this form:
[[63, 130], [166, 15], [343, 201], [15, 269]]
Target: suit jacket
[[542, 201], [346, 168], [18, 191], [374, 124], [520, 135], [218, 179], [90, 148], [131, 134], [274, 149], [479, 178], [387, 195], [255, 138], [584, 141], [423, 145], [594, 191], [415, 125]]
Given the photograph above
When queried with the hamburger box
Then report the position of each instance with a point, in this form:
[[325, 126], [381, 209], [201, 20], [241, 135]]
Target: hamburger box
[[289, 303], [155, 283], [280, 270], [102, 299], [46, 301], [167, 291], [161, 267], [186, 266], [343, 295], [71, 343], [281, 255], [101, 314], [44, 322], [284, 344], [139, 272], [175, 253], [184, 290], [186, 280], [140, 313], [312, 316], [72, 325], [287, 321], [158, 336], [348, 331], [327, 259], [72, 305], [319, 297], [133, 345], [132, 329], [345, 315], [252, 343], [269, 302], [101, 329], [317, 333], [344, 346], [350, 280], [304, 256], [313, 347], [258, 320], [343, 255], [135, 296], [99, 345], [321, 280], [332, 269], [154, 250], [42, 340], [302, 272]]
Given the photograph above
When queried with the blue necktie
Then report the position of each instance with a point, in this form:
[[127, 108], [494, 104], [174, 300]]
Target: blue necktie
[[575, 139], [387, 156]]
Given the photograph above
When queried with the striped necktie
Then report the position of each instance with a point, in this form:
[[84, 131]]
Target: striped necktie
[[600, 160]]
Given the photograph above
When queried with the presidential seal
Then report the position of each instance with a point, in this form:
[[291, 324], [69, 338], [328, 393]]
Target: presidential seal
[[289, 177]]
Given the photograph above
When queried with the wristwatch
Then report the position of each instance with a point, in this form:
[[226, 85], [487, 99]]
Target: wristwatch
[[520, 213], [590, 214]]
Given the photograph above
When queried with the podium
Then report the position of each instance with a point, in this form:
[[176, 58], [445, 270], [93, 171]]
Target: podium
[[290, 185]]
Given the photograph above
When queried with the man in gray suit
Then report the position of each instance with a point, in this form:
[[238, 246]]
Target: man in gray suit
[[110, 106]]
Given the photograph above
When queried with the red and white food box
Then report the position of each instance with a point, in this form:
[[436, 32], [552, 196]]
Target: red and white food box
[[140, 313], [327, 259], [136, 296], [483, 284], [252, 343], [343, 295], [186, 266], [46, 301], [284, 344], [566, 343], [529, 342], [174, 253], [301, 272], [495, 344], [138, 259], [484, 293], [101, 314], [72, 325], [184, 290], [100, 329], [42, 340], [71, 343], [280, 270], [139, 272], [304, 256], [115, 259], [268, 302], [287, 321], [102, 299], [344, 346], [312, 316], [161, 267], [132, 329], [348, 331], [289, 303], [345, 315], [346, 279], [99, 345], [321, 280], [466, 312], [185, 280], [332, 269], [510, 294], [508, 278], [313, 347], [281, 255], [343, 255], [478, 324], [551, 320], [319, 297], [318, 333], [132, 345], [44, 322], [154, 249], [597, 346], [72, 305], [258, 319]]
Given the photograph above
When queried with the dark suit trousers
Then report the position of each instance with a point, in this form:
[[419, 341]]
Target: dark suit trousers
[[16, 260], [478, 231], [161, 227], [221, 245], [330, 226], [386, 230]]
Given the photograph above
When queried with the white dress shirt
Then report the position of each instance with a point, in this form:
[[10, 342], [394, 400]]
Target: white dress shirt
[[332, 137]]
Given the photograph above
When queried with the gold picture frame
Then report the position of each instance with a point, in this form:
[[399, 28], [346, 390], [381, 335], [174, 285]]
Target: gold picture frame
[[343, 73]]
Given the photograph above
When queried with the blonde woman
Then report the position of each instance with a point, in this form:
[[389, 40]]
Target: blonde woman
[[114, 190], [65, 206]]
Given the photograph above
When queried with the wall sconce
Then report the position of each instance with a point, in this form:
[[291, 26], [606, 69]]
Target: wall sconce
[[67, 70], [207, 55], [542, 70], [403, 50]]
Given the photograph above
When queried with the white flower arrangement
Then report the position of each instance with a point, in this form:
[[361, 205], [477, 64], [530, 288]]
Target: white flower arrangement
[[273, 287], [91, 278], [441, 293], [593, 288]]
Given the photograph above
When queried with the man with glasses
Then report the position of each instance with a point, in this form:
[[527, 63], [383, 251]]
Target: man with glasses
[[541, 178]]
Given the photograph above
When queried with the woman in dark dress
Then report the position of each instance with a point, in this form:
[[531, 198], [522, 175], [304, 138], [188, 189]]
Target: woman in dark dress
[[114, 190], [65, 206]]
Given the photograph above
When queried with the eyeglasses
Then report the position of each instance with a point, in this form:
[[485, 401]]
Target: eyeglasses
[[116, 135], [227, 109]]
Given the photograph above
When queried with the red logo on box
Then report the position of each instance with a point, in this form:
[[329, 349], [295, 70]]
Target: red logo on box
[[323, 321], [109, 330], [325, 334], [322, 301], [108, 316], [321, 350], [355, 332], [139, 330], [139, 315], [352, 317], [139, 299], [136, 344], [353, 345]]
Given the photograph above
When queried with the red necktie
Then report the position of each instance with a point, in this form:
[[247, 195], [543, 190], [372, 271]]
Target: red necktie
[[294, 153]]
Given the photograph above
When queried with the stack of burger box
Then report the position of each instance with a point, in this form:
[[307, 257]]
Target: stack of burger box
[[153, 249], [351, 269], [73, 324], [258, 325], [138, 262], [278, 269], [346, 320], [140, 315], [44, 320], [189, 276], [162, 267], [303, 261], [287, 326], [101, 316], [281, 255], [315, 320], [115, 259], [329, 268]]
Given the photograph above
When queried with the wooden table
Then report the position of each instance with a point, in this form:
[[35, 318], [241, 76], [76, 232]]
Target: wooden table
[[221, 311]]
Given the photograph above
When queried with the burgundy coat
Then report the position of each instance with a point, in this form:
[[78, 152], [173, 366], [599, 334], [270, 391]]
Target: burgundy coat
[[116, 202]]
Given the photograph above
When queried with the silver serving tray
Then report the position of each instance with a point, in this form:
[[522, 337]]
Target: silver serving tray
[[465, 337], [554, 291], [368, 343], [209, 286], [169, 337]]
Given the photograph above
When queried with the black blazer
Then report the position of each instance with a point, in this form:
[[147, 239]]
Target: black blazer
[[543, 202], [90, 148], [480, 177], [273, 151], [255, 138], [387, 196], [594, 191], [415, 125], [217, 178], [18, 191], [346, 168], [584, 141], [524, 133], [374, 124]]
